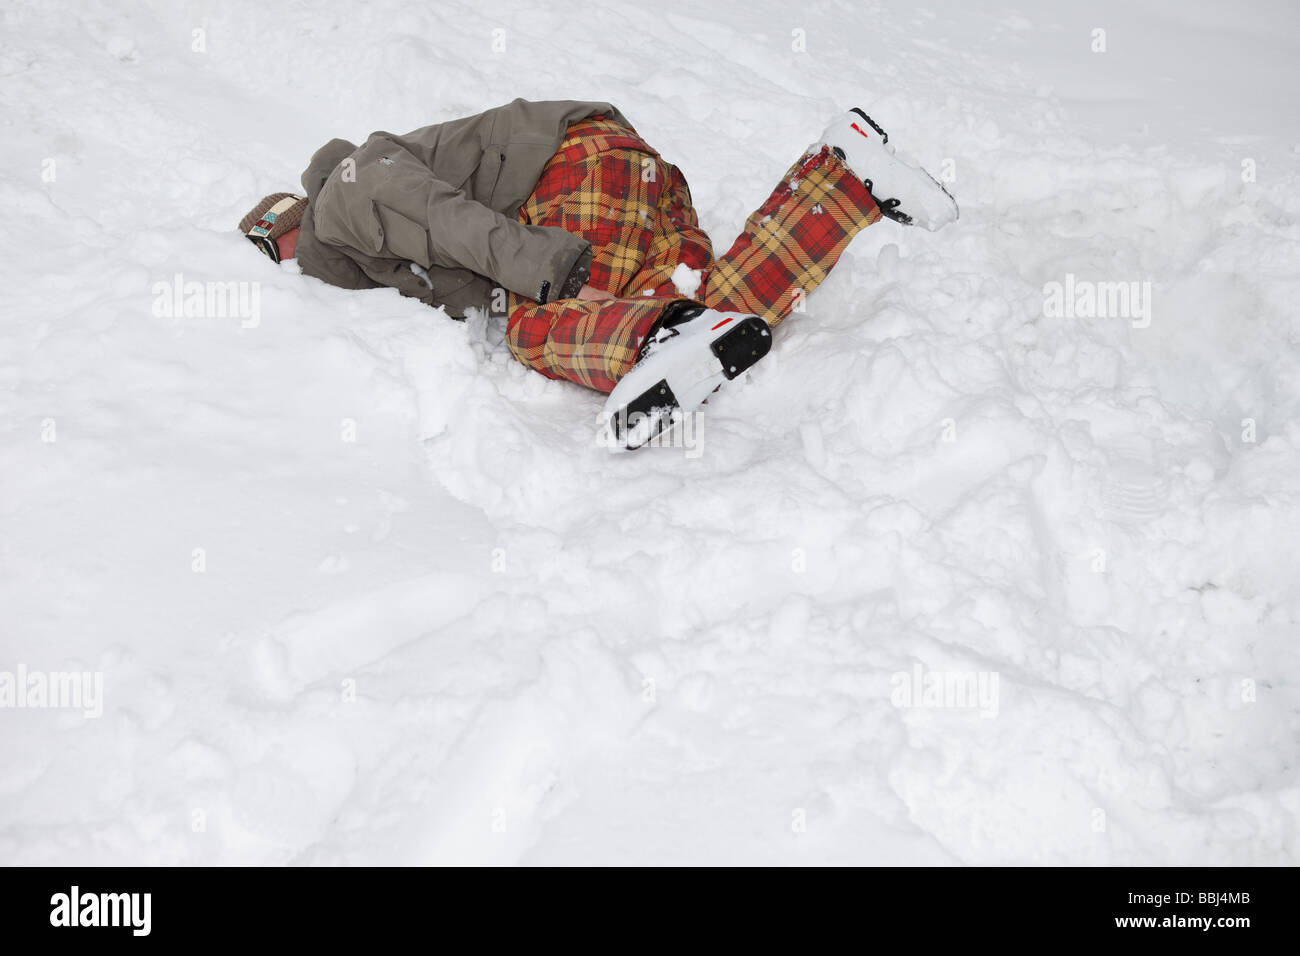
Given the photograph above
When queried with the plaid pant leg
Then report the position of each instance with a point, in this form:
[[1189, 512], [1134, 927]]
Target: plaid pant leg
[[677, 239], [605, 198], [792, 241], [596, 343], [591, 343], [636, 211], [602, 194]]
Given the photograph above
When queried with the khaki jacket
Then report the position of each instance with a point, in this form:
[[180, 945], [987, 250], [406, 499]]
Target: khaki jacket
[[444, 197]]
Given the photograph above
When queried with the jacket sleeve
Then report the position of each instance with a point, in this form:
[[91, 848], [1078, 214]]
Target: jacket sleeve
[[382, 201]]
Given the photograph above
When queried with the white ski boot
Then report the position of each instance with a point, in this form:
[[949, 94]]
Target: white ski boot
[[902, 189], [687, 354]]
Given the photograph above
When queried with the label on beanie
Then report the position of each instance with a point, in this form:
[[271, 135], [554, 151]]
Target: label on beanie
[[263, 227]]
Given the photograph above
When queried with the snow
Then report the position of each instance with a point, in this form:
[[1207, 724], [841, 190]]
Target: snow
[[362, 589]]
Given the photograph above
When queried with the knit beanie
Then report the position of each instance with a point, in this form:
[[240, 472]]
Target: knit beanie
[[275, 216]]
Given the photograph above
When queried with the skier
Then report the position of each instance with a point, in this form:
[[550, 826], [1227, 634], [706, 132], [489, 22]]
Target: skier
[[559, 215]]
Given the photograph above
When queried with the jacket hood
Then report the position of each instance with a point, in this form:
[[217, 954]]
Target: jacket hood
[[323, 162], [314, 257]]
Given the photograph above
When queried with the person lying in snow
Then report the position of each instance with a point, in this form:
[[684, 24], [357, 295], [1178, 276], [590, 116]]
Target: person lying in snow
[[561, 216]]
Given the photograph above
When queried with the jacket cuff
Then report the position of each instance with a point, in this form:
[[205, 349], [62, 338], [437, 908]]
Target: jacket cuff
[[578, 275], [574, 279]]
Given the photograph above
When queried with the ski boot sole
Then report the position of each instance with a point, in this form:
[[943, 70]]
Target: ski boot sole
[[658, 408]]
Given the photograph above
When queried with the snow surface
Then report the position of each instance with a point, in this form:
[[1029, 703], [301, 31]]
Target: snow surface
[[473, 635]]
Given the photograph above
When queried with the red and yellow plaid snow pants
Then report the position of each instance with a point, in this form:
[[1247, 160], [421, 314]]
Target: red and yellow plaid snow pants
[[606, 185]]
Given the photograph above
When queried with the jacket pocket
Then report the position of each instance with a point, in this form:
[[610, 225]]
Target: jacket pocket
[[519, 168]]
